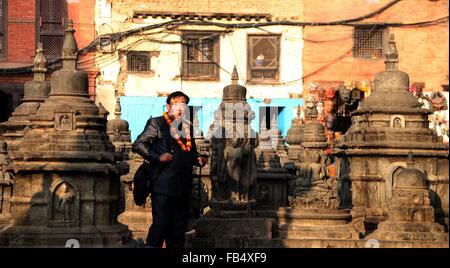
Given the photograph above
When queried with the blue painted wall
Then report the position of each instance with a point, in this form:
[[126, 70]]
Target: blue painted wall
[[137, 110]]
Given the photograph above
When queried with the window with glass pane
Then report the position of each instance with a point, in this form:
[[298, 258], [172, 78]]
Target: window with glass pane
[[369, 41], [200, 55], [52, 16], [263, 57]]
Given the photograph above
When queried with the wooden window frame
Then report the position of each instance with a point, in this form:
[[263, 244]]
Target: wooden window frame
[[40, 32], [250, 68], [215, 58], [384, 35], [4, 30]]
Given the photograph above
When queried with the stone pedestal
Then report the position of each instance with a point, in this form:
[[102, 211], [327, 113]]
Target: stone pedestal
[[137, 218], [314, 223], [272, 180]]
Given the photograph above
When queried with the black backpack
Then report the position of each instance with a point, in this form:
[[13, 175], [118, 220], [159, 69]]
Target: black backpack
[[142, 183]]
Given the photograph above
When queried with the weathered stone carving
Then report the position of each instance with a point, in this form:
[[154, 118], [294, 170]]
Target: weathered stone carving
[[67, 172], [313, 195], [410, 216], [35, 93], [385, 127], [233, 158]]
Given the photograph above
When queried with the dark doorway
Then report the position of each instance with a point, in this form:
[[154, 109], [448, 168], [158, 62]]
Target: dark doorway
[[6, 101]]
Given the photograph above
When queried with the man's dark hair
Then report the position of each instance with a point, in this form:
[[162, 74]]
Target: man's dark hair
[[177, 94]]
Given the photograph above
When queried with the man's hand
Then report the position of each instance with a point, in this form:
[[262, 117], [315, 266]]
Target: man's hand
[[202, 161], [165, 158]]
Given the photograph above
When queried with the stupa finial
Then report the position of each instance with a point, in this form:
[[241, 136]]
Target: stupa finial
[[391, 55], [234, 76]]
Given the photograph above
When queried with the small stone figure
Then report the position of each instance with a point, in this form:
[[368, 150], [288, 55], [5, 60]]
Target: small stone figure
[[66, 198]]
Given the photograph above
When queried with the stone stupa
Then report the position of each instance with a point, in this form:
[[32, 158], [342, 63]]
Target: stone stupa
[[35, 93], [385, 127], [411, 217], [67, 171]]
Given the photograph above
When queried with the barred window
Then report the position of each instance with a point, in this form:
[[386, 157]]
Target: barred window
[[200, 55], [3, 29], [369, 41], [263, 57], [52, 17], [138, 61]]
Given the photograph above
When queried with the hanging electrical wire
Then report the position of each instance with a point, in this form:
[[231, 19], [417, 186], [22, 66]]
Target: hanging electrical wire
[[177, 23]]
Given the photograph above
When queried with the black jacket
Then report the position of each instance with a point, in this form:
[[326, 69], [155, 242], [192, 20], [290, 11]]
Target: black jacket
[[172, 178]]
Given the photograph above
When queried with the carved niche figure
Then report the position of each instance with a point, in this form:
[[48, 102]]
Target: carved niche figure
[[64, 121], [63, 206], [397, 122]]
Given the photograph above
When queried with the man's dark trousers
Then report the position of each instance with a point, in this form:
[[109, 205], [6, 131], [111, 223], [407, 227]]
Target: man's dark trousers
[[170, 218]]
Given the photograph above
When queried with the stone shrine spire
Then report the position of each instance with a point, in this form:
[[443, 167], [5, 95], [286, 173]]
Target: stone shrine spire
[[234, 76], [40, 64], [69, 81], [391, 55], [118, 111], [234, 92], [70, 48]]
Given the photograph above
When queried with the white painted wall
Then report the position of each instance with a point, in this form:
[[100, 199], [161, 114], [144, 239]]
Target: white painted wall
[[167, 66]]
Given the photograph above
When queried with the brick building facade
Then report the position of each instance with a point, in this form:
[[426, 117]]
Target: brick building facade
[[26, 23], [333, 54]]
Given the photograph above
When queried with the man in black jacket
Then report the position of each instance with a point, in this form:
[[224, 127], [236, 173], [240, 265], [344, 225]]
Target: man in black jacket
[[167, 145]]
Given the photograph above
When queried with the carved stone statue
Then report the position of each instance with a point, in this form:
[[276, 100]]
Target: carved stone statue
[[233, 159], [313, 186], [65, 200]]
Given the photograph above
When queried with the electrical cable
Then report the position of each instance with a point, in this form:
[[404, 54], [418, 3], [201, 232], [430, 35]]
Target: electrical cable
[[172, 24]]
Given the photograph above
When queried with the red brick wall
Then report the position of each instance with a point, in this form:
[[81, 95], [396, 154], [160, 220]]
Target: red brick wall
[[21, 30], [22, 27], [424, 51], [83, 14], [22, 34]]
